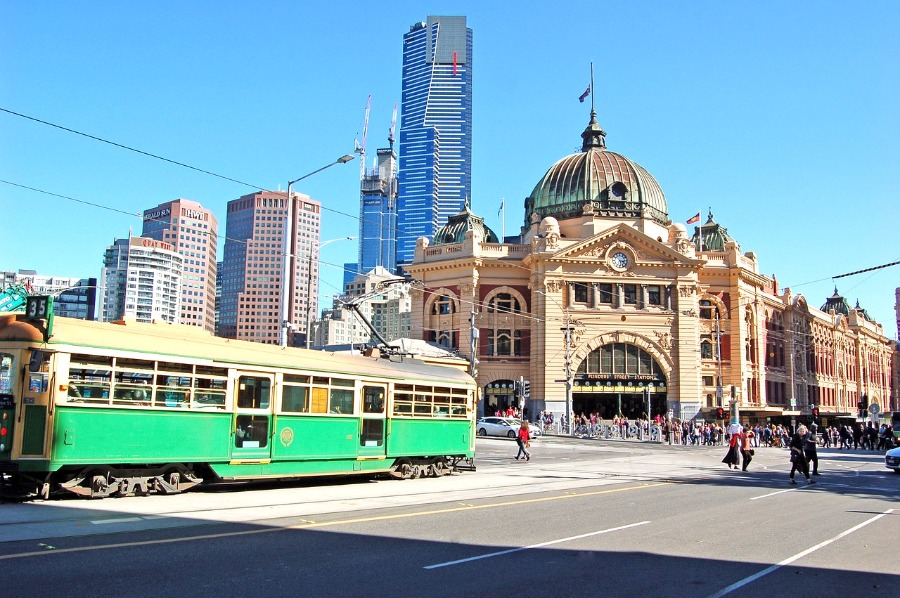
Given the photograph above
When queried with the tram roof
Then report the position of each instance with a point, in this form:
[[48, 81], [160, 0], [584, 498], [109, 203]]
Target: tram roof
[[195, 345]]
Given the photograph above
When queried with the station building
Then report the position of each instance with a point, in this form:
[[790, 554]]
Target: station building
[[606, 304]]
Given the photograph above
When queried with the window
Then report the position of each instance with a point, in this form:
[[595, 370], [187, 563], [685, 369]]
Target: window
[[606, 293], [629, 292], [706, 347], [443, 306], [583, 292], [503, 303], [253, 393], [295, 394], [654, 295], [707, 310]]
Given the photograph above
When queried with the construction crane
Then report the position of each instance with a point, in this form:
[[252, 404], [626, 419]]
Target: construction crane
[[393, 127], [361, 147]]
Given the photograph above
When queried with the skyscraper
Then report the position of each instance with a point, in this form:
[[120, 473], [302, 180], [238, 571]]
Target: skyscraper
[[378, 214], [435, 129], [192, 230], [253, 266], [141, 279]]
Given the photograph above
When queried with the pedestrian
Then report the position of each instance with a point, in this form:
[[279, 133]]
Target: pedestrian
[[732, 458], [747, 447], [798, 458], [810, 449], [523, 440]]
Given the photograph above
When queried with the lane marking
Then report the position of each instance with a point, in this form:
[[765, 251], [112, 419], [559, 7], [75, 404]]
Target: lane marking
[[775, 493], [304, 525], [739, 584], [118, 520], [540, 545]]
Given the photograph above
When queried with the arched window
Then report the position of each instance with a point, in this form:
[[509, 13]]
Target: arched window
[[443, 306], [503, 303], [502, 330], [706, 349]]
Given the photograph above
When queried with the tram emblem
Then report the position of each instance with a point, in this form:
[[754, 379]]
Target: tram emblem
[[287, 437]]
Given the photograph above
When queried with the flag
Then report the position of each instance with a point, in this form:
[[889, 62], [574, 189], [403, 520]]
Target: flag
[[584, 96], [501, 207], [694, 218]]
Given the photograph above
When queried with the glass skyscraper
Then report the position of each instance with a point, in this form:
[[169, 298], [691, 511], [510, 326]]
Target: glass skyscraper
[[435, 129], [378, 215]]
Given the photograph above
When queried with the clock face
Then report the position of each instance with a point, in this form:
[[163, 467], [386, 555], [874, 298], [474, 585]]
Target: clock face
[[619, 260]]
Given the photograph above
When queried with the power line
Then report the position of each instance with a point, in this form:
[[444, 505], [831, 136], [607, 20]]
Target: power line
[[867, 270], [129, 148]]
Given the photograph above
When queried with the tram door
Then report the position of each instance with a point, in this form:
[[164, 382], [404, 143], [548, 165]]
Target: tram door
[[372, 438], [252, 430]]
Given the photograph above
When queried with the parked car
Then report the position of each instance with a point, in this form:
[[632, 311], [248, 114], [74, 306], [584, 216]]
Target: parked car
[[892, 459], [497, 426]]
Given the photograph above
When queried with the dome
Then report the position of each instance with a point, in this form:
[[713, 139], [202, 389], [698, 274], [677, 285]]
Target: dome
[[614, 185], [715, 236], [837, 303], [458, 225]]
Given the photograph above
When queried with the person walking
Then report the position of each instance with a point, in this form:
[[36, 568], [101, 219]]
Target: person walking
[[747, 447], [798, 458], [810, 449], [522, 440], [732, 458]]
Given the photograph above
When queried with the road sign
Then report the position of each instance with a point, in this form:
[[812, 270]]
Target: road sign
[[874, 409], [793, 402]]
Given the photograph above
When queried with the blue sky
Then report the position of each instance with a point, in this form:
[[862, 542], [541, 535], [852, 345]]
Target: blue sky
[[781, 117]]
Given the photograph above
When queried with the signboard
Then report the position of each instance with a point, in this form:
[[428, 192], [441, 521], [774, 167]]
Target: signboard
[[793, 403], [874, 409]]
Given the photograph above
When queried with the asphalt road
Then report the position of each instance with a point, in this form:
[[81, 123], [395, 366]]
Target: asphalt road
[[582, 518]]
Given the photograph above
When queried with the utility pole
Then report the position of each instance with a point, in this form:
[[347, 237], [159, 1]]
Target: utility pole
[[719, 391], [568, 370], [473, 344]]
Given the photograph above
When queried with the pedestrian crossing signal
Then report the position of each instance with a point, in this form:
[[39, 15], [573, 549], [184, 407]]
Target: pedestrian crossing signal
[[720, 413]]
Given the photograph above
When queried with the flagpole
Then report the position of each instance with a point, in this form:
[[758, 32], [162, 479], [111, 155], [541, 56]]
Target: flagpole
[[700, 236], [592, 90], [502, 220]]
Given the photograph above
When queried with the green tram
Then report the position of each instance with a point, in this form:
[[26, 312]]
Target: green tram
[[114, 409]]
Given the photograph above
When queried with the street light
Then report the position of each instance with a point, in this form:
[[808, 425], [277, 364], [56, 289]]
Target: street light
[[290, 248], [309, 279], [568, 367]]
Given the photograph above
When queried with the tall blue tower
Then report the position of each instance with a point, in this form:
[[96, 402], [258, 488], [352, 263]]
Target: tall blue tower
[[435, 129], [378, 214]]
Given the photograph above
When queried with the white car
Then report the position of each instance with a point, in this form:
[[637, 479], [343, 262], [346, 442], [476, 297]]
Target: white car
[[534, 430], [892, 459], [497, 426]]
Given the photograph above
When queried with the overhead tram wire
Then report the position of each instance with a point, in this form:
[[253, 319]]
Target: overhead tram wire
[[150, 155]]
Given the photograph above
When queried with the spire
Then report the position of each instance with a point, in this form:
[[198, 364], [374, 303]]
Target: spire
[[593, 135]]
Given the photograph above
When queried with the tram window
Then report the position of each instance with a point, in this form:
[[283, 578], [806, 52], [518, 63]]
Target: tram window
[[319, 400], [253, 393], [209, 392], [6, 378], [92, 384], [372, 432], [373, 399], [340, 401], [172, 391], [251, 431], [403, 396], [294, 399], [422, 404]]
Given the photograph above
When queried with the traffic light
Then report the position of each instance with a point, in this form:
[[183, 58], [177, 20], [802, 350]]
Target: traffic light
[[526, 388], [720, 413], [864, 402], [815, 412]]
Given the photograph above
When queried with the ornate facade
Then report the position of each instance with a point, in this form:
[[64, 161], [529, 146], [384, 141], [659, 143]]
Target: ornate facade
[[605, 305]]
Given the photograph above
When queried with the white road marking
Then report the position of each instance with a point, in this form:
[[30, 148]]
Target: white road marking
[[739, 584], [117, 520], [541, 545]]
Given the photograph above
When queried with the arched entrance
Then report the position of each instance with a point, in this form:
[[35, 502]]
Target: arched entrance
[[619, 378], [499, 395]]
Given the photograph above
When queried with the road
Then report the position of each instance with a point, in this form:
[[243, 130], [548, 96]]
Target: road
[[582, 518]]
